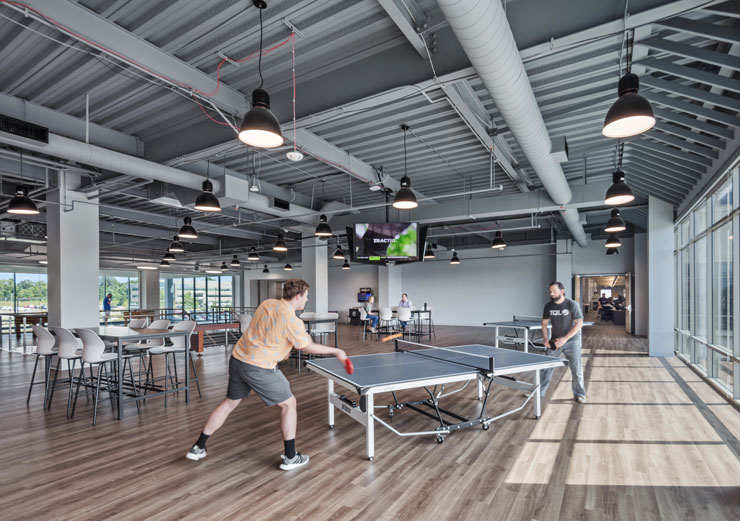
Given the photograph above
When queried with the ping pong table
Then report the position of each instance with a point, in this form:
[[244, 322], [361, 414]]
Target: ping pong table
[[417, 366], [526, 324]]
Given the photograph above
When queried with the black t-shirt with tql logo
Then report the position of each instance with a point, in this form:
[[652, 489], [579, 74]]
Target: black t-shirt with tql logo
[[562, 317]]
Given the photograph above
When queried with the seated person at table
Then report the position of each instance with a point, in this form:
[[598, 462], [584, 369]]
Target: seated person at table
[[368, 307], [404, 303], [618, 302]]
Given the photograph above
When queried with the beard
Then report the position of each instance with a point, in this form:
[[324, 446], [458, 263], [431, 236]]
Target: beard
[[554, 299]]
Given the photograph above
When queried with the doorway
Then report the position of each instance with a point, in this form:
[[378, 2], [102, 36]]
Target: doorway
[[607, 298]]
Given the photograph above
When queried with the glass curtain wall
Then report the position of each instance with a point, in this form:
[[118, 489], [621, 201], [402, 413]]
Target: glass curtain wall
[[706, 258], [124, 286], [23, 290], [199, 295]]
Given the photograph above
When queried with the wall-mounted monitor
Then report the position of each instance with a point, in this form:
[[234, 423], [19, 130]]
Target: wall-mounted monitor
[[384, 242]]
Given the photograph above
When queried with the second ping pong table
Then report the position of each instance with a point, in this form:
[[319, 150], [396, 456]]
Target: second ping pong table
[[416, 366], [526, 324]]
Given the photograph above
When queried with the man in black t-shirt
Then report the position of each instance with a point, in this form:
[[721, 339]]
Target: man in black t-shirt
[[566, 318]]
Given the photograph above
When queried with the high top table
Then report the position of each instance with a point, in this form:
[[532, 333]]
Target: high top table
[[125, 335]]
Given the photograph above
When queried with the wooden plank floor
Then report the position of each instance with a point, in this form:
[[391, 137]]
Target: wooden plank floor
[[653, 442]]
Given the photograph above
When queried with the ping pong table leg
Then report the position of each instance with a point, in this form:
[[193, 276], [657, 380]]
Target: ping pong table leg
[[331, 405], [495, 341], [370, 427], [537, 398], [480, 387], [526, 340]]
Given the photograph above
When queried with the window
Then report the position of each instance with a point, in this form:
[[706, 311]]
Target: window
[[701, 328], [686, 289], [722, 370], [722, 202], [196, 294], [700, 219], [685, 232], [125, 289], [23, 290], [722, 287]]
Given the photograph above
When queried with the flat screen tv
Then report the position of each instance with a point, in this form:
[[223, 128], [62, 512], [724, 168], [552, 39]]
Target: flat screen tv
[[383, 242]]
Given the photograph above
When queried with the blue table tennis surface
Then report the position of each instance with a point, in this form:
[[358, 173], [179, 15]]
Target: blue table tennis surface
[[408, 366]]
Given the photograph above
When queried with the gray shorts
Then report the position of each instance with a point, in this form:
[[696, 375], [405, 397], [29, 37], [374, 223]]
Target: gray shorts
[[269, 384]]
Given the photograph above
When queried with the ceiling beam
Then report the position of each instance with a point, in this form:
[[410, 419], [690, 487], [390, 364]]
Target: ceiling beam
[[406, 23], [116, 42], [692, 52], [691, 73], [707, 30], [673, 87], [683, 144], [692, 108], [709, 141], [696, 124]]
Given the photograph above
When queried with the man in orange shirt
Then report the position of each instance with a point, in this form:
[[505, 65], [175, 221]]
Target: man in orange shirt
[[272, 333]]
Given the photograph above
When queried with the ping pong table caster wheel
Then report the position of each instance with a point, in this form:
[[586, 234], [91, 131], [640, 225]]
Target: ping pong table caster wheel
[[390, 411], [331, 427], [369, 458], [486, 426], [440, 439]]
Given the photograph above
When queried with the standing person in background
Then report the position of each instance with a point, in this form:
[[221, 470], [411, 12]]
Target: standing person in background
[[368, 307], [566, 319], [107, 307], [405, 303]]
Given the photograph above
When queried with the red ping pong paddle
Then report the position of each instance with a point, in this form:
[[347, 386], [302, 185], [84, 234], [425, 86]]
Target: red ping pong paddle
[[348, 366]]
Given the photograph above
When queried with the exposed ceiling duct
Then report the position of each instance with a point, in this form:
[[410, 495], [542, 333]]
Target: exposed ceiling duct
[[230, 188], [484, 33]]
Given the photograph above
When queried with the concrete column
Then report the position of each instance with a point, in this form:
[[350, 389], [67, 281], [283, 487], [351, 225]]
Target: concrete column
[[564, 265], [72, 250], [661, 290], [149, 289], [390, 286], [640, 302], [315, 271]]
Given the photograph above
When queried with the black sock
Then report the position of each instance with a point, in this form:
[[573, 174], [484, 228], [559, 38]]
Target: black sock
[[202, 440], [289, 448]]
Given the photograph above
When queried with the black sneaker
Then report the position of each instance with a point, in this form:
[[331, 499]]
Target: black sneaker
[[195, 453], [297, 461]]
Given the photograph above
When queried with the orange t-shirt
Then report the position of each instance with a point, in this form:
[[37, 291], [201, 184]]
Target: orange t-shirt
[[272, 333]]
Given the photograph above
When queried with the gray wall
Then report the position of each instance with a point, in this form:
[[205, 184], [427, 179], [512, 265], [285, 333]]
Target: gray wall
[[344, 285], [485, 286], [593, 259]]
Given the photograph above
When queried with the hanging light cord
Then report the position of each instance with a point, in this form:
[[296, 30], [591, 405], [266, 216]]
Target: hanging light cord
[[405, 172], [294, 119], [259, 62]]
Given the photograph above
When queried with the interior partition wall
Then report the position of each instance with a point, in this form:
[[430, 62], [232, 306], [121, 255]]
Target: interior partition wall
[[707, 268]]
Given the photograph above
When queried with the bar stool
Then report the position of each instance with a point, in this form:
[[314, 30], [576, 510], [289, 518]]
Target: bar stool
[[179, 345], [404, 315], [363, 322], [141, 348], [68, 348], [46, 349], [93, 353], [386, 319]]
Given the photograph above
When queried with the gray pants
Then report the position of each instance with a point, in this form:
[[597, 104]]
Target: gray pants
[[572, 352]]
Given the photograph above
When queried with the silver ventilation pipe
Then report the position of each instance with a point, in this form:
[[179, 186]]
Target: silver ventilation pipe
[[484, 33]]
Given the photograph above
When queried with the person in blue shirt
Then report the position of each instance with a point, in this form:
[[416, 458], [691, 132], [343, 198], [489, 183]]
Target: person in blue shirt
[[106, 306], [404, 303]]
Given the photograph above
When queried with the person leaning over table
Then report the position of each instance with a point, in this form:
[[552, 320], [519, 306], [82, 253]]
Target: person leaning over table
[[273, 332], [405, 303]]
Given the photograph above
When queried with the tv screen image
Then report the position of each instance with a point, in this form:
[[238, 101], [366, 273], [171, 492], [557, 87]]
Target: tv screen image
[[386, 241]]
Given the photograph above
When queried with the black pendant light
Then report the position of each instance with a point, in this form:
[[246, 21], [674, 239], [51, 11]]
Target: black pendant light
[[455, 259], [498, 242], [612, 241], [280, 244], [260, 128], [206, 201], [288, 267], [169, 256], [631, 114], [187, 231], [338, 253], [618, 193], [429, 253], [253, 255], [346, 265], [265, 270], [405, 198], [176, 246], [235, 262], [164, 264], [323, 229], [21, 204], [615, 224], [224, 267], [612, 251]]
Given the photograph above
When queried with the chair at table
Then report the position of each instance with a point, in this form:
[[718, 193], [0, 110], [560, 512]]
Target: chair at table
[[137, 323], [69, 349], [141, 348], [179, 345], [93, 353], [244, 320], [363, 323], [46, 349], [404, 315], [322, 330], [386, 321]]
